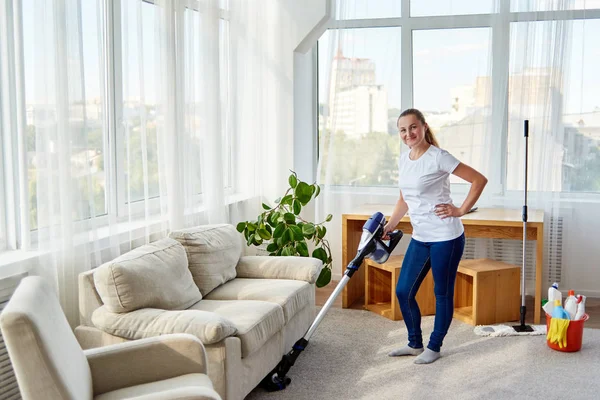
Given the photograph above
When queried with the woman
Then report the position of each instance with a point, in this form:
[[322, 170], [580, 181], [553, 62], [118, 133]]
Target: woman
[[438, 238]]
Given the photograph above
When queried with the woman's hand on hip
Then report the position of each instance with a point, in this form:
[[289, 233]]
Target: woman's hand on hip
[[448, 210]]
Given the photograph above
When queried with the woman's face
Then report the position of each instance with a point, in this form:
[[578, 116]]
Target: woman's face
[[412, 131]]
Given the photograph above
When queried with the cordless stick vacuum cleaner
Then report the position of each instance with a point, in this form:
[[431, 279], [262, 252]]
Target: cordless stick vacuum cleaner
[[371, 246], [522, 327]]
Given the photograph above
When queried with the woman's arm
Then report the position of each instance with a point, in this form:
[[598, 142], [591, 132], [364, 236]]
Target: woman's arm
[[477, 181], [400, 210]]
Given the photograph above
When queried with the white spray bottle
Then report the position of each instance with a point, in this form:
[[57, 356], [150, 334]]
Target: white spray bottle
[[571, 305], [580, 308]]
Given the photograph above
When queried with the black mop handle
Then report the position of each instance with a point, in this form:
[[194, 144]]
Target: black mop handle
[[523, 309]]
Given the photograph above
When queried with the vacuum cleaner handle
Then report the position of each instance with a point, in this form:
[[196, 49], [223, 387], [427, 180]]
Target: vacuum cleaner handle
[[395, 237]]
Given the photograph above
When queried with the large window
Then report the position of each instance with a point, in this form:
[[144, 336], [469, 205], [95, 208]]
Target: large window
[[84, 133], [569, 143], [477, 70], [451, 85], [140, 84], [359, 101], [114, 79]]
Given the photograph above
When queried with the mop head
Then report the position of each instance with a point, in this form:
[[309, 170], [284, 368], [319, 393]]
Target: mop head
[[507, 330]]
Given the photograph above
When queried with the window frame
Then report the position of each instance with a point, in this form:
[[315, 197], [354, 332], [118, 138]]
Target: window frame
[[499, 22]]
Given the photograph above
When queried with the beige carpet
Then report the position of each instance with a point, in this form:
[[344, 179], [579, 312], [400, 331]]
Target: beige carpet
[[346, 359]]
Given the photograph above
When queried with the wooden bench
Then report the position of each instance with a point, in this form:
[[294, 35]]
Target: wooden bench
[[486, 291]]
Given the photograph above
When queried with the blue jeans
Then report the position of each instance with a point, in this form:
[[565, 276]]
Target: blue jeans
[[442, 258]]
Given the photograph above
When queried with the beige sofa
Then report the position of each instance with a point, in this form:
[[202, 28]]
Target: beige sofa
[[247, 310]]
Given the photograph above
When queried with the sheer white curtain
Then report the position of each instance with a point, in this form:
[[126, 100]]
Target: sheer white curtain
[[122, 124], [552, 84], [476, 79]]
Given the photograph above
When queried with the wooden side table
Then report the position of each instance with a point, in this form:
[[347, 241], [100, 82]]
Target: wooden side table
[[487, 292], [380, 289]]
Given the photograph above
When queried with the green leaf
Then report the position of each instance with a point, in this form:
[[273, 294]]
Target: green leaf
[[308, 229], [272, 247], [286, 237], [320, 253], [264, 234], [302, 249], [293, 181], [265, 206], [321, 232], [288, 251], [317, 189], [296, 206], [251, 227], [287, 199], [296, 233], [275, 216], [240, 227], [289, 218], [303, 193], [324, 277], [329, 218], [279, 231]]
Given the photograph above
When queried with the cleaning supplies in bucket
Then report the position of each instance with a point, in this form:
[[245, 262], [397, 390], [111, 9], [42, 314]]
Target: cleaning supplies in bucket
[[564, 324]]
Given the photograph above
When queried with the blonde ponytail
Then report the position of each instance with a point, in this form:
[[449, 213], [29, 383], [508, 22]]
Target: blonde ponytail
[[430, 137]]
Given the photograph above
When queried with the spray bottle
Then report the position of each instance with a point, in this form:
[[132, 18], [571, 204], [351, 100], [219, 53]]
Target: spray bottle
[[580, 307], [571, 305]]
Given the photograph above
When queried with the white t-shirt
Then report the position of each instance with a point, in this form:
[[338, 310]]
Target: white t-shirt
[[425, 183]]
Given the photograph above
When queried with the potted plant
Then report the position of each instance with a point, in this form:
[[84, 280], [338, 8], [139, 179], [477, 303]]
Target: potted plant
[[286, 232]]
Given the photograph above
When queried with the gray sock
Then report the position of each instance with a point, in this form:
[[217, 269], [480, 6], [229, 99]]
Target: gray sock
[[427, 357], [405, 351]]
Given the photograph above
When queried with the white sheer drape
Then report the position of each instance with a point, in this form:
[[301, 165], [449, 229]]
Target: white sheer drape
[[531, 65], [117, 156]]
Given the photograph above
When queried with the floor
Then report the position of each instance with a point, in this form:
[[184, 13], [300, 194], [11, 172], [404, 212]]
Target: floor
[[592, 305]]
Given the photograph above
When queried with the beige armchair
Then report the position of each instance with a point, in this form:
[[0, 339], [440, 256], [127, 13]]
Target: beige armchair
[[50, 364]]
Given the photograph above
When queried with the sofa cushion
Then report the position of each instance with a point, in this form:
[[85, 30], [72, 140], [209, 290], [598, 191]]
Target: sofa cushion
[[255, 321], [291, 295], [155, 275], [213, 252], [147, 322]]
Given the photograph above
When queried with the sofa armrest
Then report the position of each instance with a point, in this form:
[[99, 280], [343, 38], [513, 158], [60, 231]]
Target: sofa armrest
[[89, 299], [146, 360], [280, 267]]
